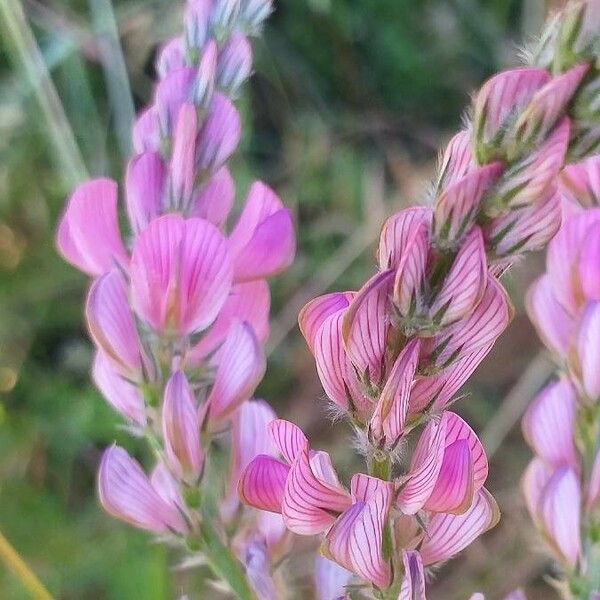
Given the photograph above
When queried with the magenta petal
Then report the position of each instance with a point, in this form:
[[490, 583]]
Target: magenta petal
[[126, 493], [356, 539], [457, 160], [144, 189], [88, 235], [482, 327], [456, 207], [397, 232], [310, 502], [560, 513], [465, 283], [549, 423], [170, 57], [313, 314], [535, 478], [263, 241], [183, 155], [454, 488], [425, 468], [240, 364], [335, 370], [552, 322], [170, 94], [288, 438], [330, 579], [389, 417], [262, 483], [180, 274], [146, 131], [215, 199], [181, 427], [413, 584], [125, 397], [588, 351], [220, 133], [112, 326], [249, 302], [365, 326], [449, 534]]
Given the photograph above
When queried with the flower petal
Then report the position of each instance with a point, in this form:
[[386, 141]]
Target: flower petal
[[413, 584], [262, 483], [588, 351], [535, 478], [215, 199], [580, 182], [144, 189], [330, 579], [88, 235], [288, 438]]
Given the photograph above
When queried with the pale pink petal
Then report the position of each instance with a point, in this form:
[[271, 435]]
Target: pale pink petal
[[425, 468], [448, 534], [235, 63], [397, 231], [144, 189], [365, 326], [389, 417], [560, 512], [112, 326], [182, 158], [88, 235], [220, 133], [528, 228], [593, 491], [588, 350], [356, 539], [146, 131], [500, 99], [363, 487], [330, 579], [171, 92], [457, 206], [257, 561], [180, 274], [516, 595], [125, 397], [413, 584], [454, 488], [170, 57], [465, 283], [240, 365], [197, 22], [204, 85], [166, 487], [309, 502], [589, 259], [181, 427], [288, 438], [262, 483], [535, 478], [314, 313], [580, 182], [553, 323], [410, 274], [263, 241], [215, 198], [126, 493], [477, 330], [548, 424], [457, 160]]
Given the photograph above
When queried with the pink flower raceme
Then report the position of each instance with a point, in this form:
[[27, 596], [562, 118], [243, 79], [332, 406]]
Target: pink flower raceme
[[443, 485]]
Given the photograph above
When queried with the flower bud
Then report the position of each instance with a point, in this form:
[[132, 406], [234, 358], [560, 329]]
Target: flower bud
[[171, 57], [183, 156], [224, 14], [254, 13], [204, 84], [235, 64], [197, 23]]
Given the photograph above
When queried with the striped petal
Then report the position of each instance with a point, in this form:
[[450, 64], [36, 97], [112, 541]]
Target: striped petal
[[397, 231], [425, 468], [112, 326], [448, 534], [288, 438], [456, 161], [553, 323], [549, 423], [365, 326], [311, 503], [356, 539], [534, 481], [389, 417], [181, 427], [88, 235], [262, 483], [560, 513], [240, 365], [314, 314], [456, 208], [144, 189], [180, 274], [413, 584], [477, 330], [126, 493], [465, 283]]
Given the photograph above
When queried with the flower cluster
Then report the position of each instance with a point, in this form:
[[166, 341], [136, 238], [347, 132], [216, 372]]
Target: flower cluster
[[562, 425], [178, 312], [392, 355]]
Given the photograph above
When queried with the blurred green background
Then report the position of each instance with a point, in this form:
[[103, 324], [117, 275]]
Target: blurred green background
[[350, 102]]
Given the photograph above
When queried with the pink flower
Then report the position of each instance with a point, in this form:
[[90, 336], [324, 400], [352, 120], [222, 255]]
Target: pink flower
[[180, 274], [214, 200], [88, 235], [126, 493], [235, 64], [144, 189]]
